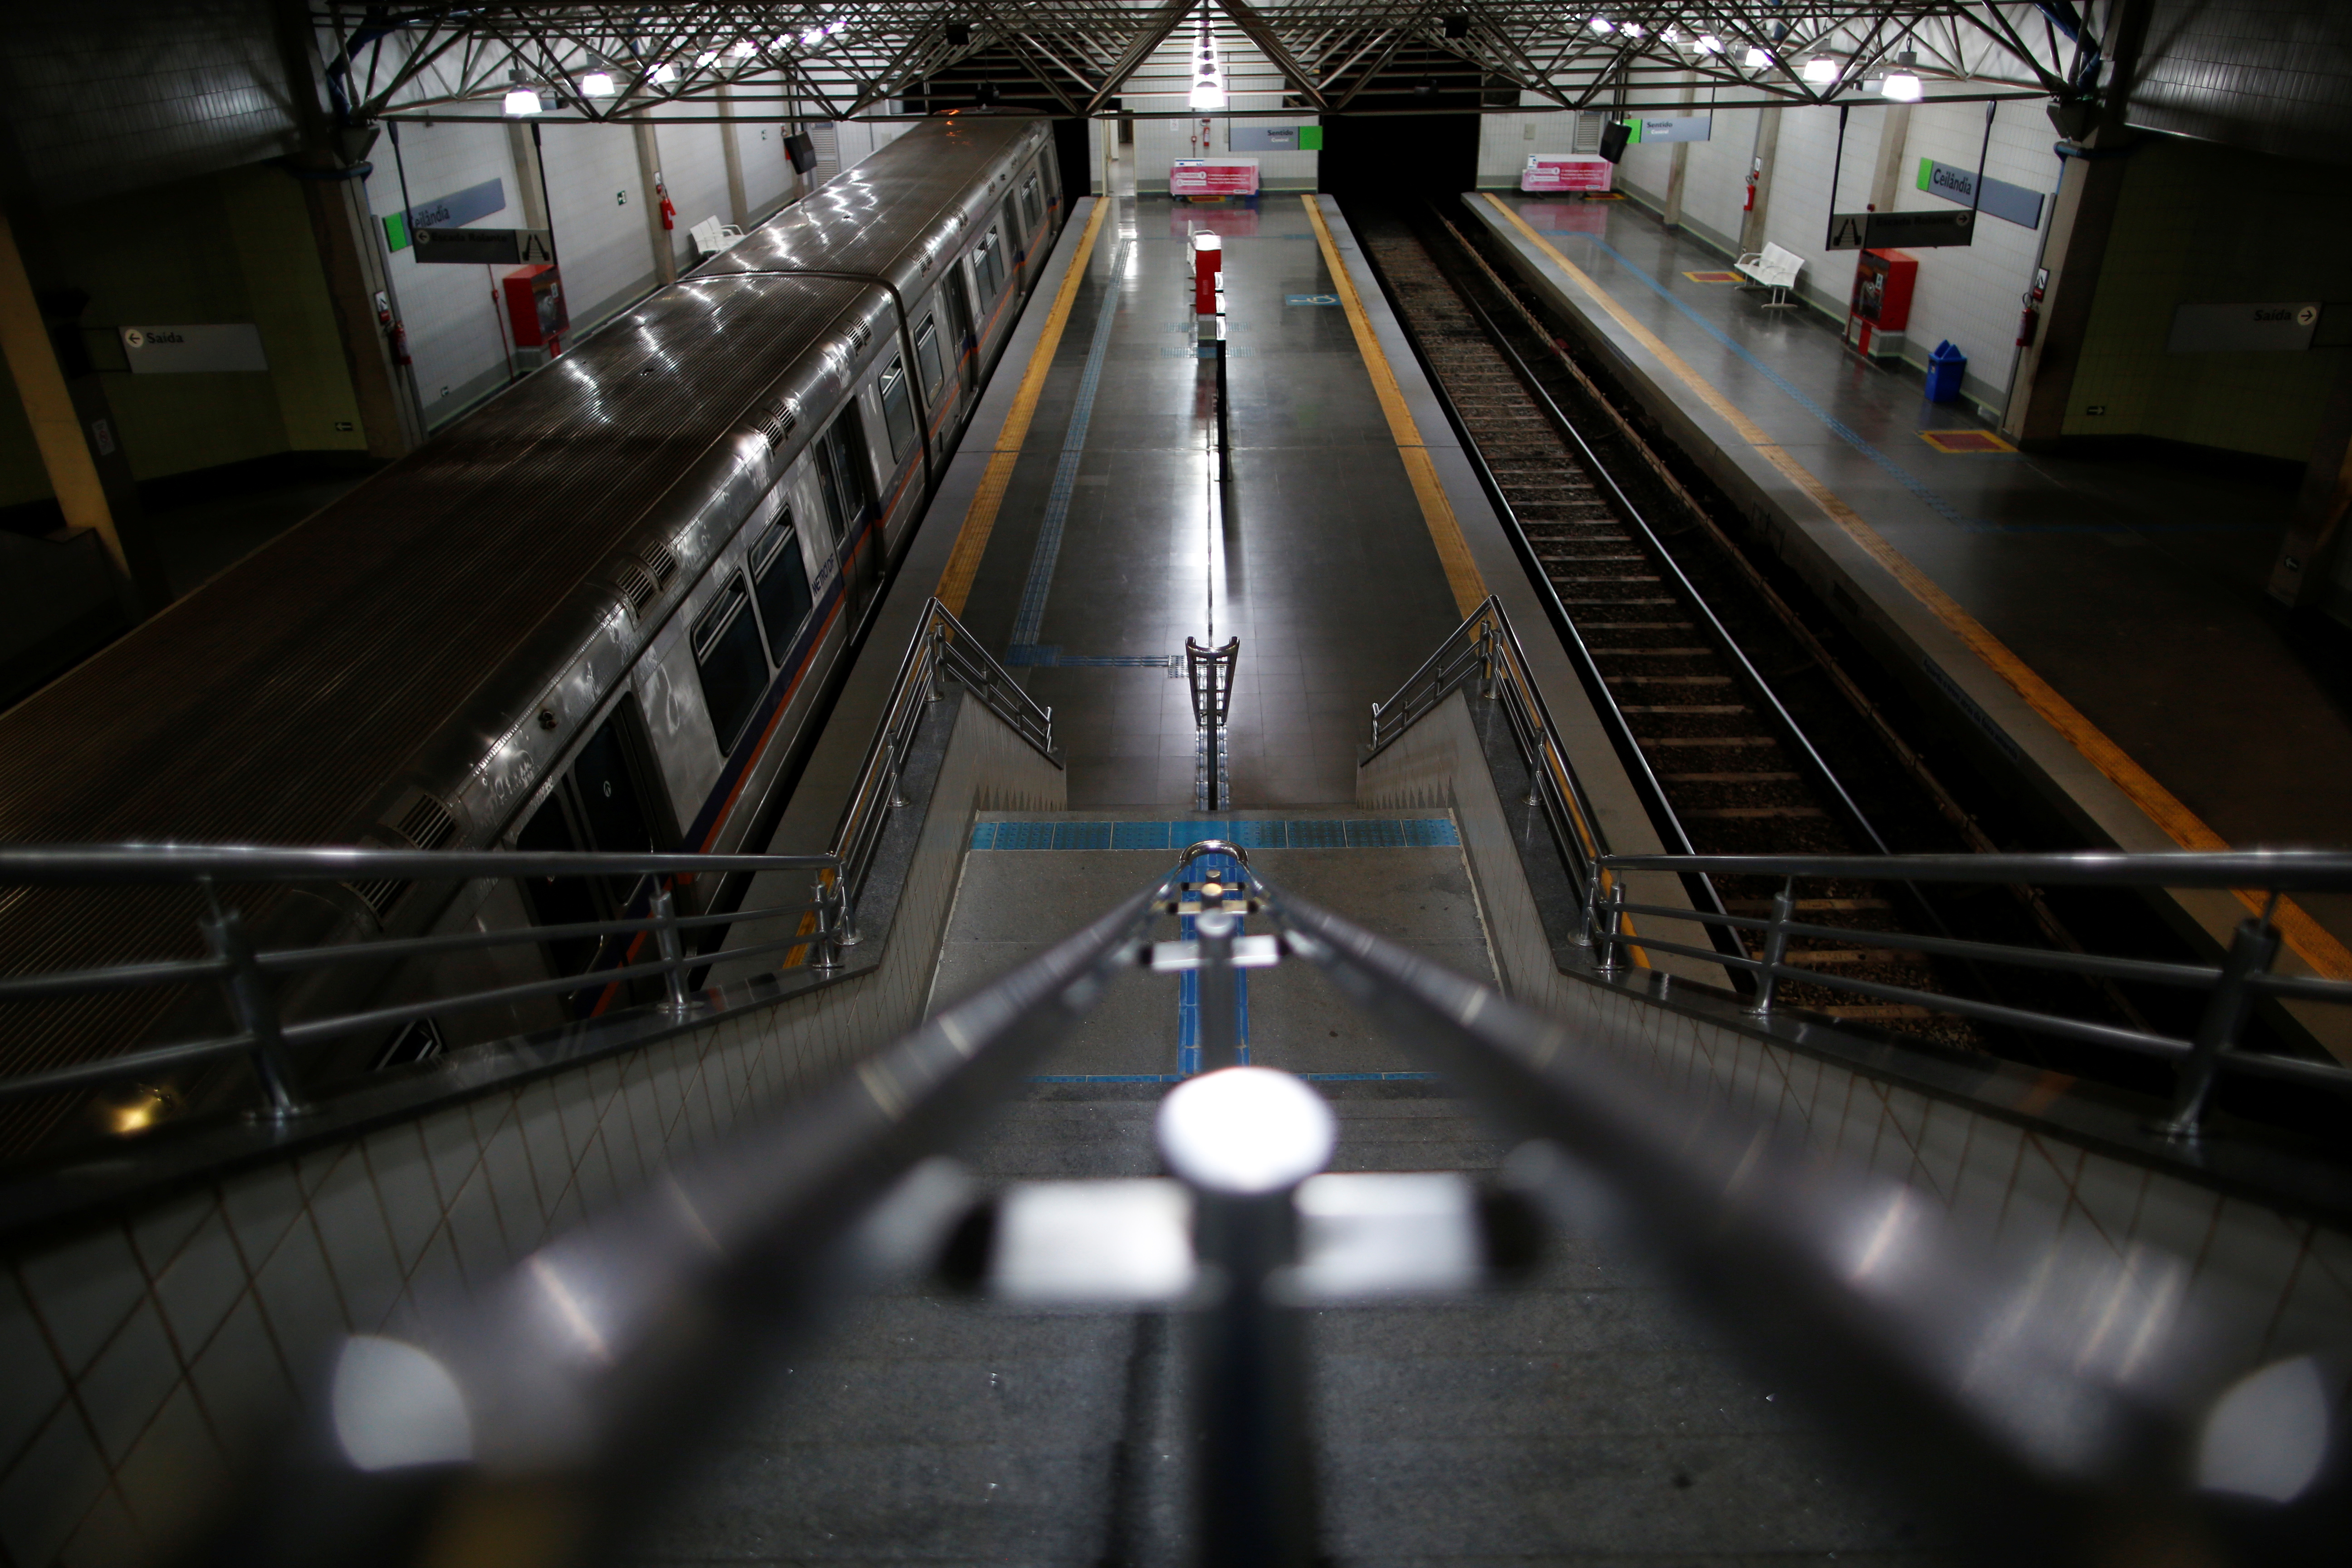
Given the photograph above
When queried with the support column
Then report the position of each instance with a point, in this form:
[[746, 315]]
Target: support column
[[732, 150], [1768, 145], [2300, 574], [1677, 164], [65, 403], [1894, 135], [358, 287], [526, 174], [2074, 249], [649, 177]]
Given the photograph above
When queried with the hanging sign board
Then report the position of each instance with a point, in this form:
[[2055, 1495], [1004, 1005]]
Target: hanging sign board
[[2012, 204], [1212, 177], [1566, 173], [1251, 136], [1673, 128], [174, 351], [451, 211], [1900, 231], [2236, 328], [487, 246]]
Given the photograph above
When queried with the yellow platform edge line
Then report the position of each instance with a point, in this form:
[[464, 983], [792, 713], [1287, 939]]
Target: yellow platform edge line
[[980, 517], [1445, 528], [2310, 942]]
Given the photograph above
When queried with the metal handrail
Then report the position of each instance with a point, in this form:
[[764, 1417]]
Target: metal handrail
[[2232, 986], [1487, 649], [2071, 1386], [942, 650]]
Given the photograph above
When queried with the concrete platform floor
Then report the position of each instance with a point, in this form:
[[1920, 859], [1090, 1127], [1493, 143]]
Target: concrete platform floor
[[2135, 588], [1104, 539], [1584, 1417]]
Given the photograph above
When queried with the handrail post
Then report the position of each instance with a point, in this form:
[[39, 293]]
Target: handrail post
[[1775, 948], [1489, 682], [254, 1009], [2251, 952], [1612, 920], [1588, 933], [673, 950], [828, 936]]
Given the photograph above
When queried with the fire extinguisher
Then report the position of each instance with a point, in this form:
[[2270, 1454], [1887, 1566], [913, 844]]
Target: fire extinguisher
[[668, 207], [2029, 323], [1755, 173], [399, 341]]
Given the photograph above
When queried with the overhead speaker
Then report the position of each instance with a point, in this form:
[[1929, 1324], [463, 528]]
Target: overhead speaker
[[1613, 137], [958, 34], [1457, 26]]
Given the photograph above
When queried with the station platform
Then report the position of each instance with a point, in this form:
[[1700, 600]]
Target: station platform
[[2097, 628]]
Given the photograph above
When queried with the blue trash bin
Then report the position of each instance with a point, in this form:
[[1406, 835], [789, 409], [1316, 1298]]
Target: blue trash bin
[[1945, 368]]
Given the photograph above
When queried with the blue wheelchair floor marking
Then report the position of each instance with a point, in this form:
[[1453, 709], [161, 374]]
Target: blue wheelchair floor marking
[[1366, 833], [1310, 298]]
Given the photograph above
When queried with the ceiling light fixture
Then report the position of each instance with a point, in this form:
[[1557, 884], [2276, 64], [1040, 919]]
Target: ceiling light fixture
[[597, 84], [744, 49], [1632, 30], [1708, 44], [1756, 60], [522, 100], [664, 74], [1822, 70], [1604, 25], [1903, 86]]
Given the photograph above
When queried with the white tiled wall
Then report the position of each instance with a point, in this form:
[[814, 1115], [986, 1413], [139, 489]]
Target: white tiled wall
[[455, 332], [146, 1355], [2273, 1284], [1968, 294]]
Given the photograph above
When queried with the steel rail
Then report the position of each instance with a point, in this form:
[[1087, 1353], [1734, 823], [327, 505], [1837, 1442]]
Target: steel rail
[[2275, 871]]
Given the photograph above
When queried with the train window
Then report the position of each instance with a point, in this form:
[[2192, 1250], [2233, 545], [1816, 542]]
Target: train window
[[926, 357], [1050, 165], [842, 473], [779, 578], [987, 266], [959, 312], [1019, 234], [727, 654], [1032, 212], [898, 409], [609, 805], [560, 900]]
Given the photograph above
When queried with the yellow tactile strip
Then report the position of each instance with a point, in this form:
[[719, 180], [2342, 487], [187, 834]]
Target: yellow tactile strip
[[1444, 530], [980, 517], [2309, 940]]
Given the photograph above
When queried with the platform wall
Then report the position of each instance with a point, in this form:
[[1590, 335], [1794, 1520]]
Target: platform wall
[[1253, 83], [1969, 295]]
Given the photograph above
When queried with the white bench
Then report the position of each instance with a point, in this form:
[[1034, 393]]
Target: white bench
[[710, 236], [1775, 269]]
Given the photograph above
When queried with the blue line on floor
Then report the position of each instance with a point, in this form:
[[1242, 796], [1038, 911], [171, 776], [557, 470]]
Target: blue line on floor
[[1065, 472]]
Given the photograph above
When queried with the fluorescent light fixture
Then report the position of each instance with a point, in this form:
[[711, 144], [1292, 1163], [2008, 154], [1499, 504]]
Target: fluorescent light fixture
[[1708, 44], [522, 100], [1821, 70], [597, 84], [1756, 60], [1903, 86], [1604, 25]]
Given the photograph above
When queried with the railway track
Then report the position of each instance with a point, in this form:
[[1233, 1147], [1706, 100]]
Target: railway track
[[1738, 708]]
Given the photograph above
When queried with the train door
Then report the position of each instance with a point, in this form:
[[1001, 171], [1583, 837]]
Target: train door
[[597, 804], [960, 334], [845, 479]]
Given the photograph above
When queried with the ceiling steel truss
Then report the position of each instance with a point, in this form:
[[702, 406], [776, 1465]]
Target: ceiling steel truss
[[620, 62]]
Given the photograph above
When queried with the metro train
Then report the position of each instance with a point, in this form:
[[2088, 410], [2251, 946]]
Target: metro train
[[605, 610]]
